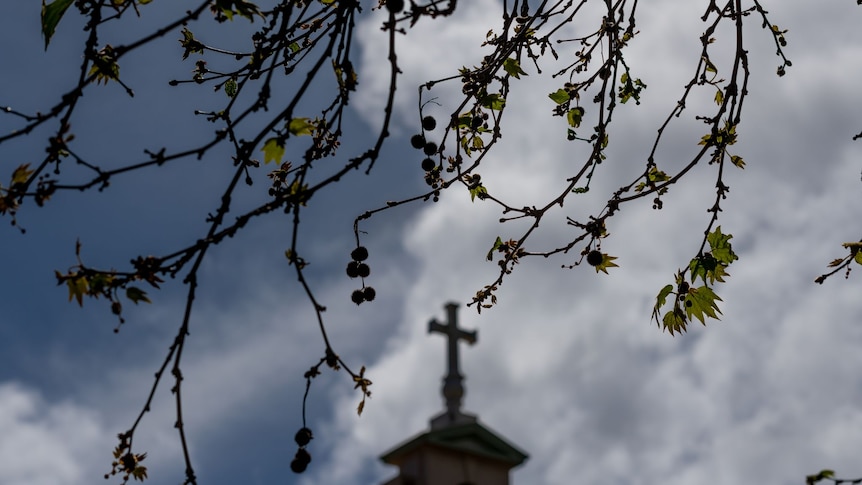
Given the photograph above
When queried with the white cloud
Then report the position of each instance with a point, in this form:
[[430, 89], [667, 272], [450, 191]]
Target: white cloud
[[46, 443]]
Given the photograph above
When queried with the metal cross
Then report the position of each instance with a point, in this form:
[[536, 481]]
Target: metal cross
[[453, 389]]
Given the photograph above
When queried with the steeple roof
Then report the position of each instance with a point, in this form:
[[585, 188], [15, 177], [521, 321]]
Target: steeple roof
[[469, 439]]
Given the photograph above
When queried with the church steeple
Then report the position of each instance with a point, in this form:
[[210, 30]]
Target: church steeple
[[458, 449]]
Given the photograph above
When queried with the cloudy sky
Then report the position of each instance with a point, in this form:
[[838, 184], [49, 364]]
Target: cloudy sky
[[568, 365]]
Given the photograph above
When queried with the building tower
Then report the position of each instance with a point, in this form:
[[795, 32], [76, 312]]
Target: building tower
[[457, 450]]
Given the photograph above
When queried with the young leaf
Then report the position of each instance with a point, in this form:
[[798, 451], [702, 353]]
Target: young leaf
[[77, 289], [190, 44], [51, 15], [660, 300], [300, 126], [630, 89], [478, 191], [21, 174], [701, 303], [702, 267], [497, 244], [559, 96], [574, 116], [477, 143], [493, 101], [230, 7], [720, 246], [710, 67], [136, 295], [273, 150], [105, 67], [674, 321], [140, 473], [512, 68], [607, 262], [464, 121]]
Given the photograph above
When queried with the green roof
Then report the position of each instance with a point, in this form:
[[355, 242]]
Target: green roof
[[471, 438]]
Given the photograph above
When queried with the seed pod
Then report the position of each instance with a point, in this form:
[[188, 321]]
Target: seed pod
[[359, 254], [595, 258], [303, 436]]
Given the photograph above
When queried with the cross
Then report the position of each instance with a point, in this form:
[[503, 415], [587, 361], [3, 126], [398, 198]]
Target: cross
[[453, 389]]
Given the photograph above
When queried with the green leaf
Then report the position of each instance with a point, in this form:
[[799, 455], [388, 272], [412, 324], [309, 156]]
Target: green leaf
[[78, 287], [738, 161], [858, 257], [630, 89], [559, 96], [720, 246], [654, 176], [100, 282], [241, 7], [497, 244], [21, 174], [273, 150], [105, 67], [477, 191], [513, 68], [719, 97], [703, 267], [104, 72], [190, 44], [51, 15], [230, 88], [465, 121], [607, 262], [574, 116], [300, 126], [718, 274], [137, 295], [478, 142], [140, 472], [346, 75], [674, 321], [710, 67], [701, 303], [660, 300], [493, 101]]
